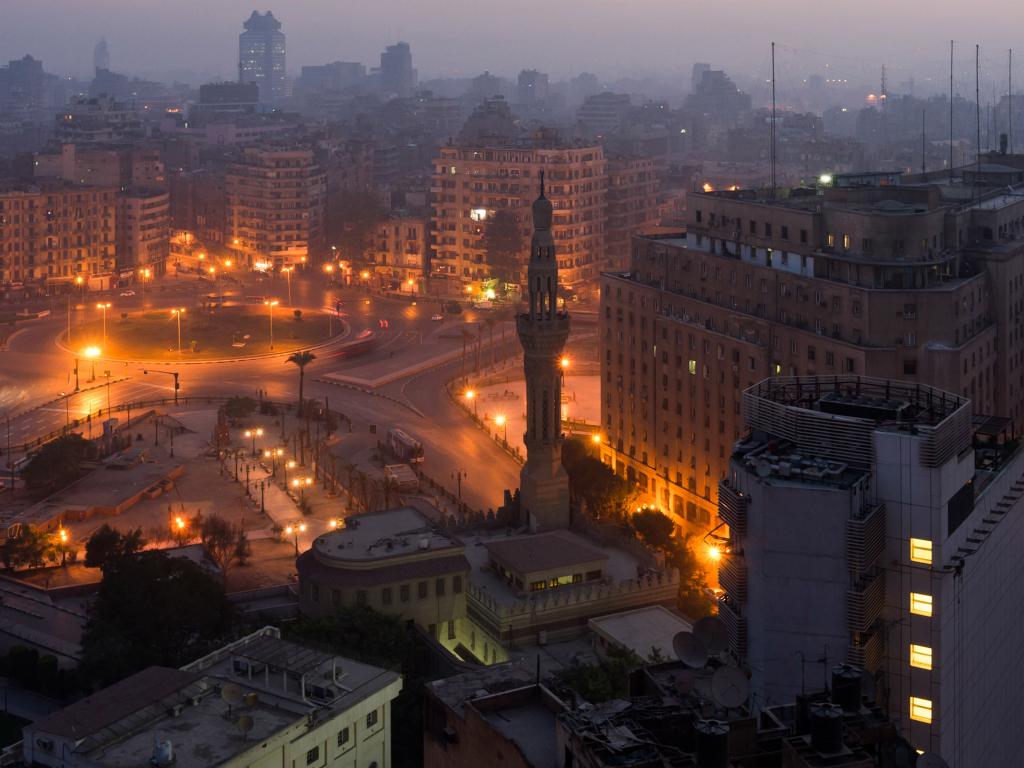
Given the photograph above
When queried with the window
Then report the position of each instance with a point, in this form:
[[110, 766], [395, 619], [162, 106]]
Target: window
[[422, 589], [371, 718], [386, 596], [920, 656], [830, 240], [439, 587], [846, 242], [691, 366], [361, 597], [921, 551], [343, 736], [456, 585], [920, 709], [312, 755], [920, 604]]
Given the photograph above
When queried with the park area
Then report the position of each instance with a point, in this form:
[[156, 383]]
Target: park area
[[206, 333]]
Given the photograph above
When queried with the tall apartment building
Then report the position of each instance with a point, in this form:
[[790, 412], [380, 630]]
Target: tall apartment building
[[55, 232], [400, 251], [102, 166], [98, 120], [632, 205], [261, 52], [275, 206], [877, 522], [533, 86], [603, 113], [909, 281], [397, 75], [143, 230], [472, 183]]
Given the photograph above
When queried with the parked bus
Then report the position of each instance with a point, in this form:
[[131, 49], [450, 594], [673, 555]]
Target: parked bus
[[406, 448]]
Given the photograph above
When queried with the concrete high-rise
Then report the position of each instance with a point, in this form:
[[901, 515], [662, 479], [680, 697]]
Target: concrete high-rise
[[543, 330], [877, 522], [101, 55], [878, 276], [261, 56], [533, 86], [396, 73]]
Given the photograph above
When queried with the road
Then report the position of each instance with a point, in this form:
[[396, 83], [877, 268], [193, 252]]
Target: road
[[37, 383]]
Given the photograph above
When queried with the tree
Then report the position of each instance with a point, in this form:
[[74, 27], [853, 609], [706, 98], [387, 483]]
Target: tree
[[353, 220], [654, 528], [301, 359], [107, 545], [243, 549], [607, 679], [220, 538], [239, 407], [604, 493], [59, 462], [503, 244], [694, 596], [28, 548], [152, 609]]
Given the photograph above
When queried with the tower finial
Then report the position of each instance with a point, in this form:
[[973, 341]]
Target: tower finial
[[542, 183]]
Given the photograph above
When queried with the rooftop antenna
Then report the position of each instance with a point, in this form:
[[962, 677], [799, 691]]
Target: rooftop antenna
[[882, 98], [1009, 104], [977, 107], [924, 158], [773, 122], [951, 111]]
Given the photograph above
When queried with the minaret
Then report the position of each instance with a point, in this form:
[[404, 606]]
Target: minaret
[[543, 329]]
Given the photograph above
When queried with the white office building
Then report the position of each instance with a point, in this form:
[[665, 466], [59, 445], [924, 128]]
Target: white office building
[[879, 523]]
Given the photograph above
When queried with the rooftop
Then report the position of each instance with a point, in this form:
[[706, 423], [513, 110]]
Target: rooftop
[[543, 551], [642, 630], [375, 535], [34, 618]]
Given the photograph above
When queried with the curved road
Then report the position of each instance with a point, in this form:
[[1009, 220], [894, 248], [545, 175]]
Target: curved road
[[34, 372]]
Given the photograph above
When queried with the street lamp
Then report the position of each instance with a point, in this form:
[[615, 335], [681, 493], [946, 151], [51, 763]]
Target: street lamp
[[92, 353], [287, 466], [67, 410], [333, 523], [458, 474], [502, 421], [103, 306], [178, 312], [63, 536], [295, 530], [146, 274], [272, 454], [254, 433], [595, 438], [180, 524], [471, 397], [411, 283], [301, 484], [273, 303]]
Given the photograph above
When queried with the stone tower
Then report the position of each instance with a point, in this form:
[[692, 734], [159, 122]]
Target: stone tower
[[543, 329]]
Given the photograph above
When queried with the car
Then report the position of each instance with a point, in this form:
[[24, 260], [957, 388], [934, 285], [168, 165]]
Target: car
[[127, 293], [437, 318]]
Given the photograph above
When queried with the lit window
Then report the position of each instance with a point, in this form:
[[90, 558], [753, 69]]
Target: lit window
[[920, 604], [920, 656], [920, 709], [921, 551], [846, 242], [778, 369], [692, 367], [830, 240], [478, 214]]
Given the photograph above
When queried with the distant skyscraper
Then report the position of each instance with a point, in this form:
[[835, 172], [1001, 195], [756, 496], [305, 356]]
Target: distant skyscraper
[[543, 329], [533, 86], [261, 56], [396, 73], [101, 55]]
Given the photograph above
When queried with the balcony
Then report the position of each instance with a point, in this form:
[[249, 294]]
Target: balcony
[[733, 506], [735, 625], [867, 651], [732, 577], [865, 540], [864, 601]]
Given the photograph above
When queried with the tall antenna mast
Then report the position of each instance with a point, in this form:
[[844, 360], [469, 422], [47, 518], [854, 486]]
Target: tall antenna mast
[[924, 157], [977, 107], [773, 123], [1009, 104], [950, 111]]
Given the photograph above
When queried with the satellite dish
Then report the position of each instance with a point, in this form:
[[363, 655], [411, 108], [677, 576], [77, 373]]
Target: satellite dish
[[689, 650], [931, 760], [231, 693], [713, 633], [730, 687], [251, 699], [244, 724]]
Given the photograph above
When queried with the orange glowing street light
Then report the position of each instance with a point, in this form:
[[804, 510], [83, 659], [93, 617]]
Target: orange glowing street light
[[564, 362], [714, 553], [271, 303], [502, 421], [332, 523], [471, 396], [103, 306], [595, 439], [178, 312]]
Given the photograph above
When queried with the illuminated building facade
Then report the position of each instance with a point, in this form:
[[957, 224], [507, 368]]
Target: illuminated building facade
[[261, 52]]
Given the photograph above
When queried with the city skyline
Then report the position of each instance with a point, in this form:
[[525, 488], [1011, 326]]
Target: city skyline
[[650, 39]]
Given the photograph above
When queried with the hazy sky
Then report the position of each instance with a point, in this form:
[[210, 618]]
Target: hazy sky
[[464, 37]]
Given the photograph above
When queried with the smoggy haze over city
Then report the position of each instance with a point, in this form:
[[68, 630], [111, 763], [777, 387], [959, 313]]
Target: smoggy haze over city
[[194, 39]]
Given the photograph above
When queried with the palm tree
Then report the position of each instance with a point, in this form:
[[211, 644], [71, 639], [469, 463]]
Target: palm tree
[[301, 359]]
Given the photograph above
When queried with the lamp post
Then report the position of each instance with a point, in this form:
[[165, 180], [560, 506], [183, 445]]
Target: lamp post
[[301, 483], [92, 353], [62, 534], [146, 274], [273, 303], [180, 525], [107, 374], [288, 274], [254, 433], [103, 306], [471, 396], [67, 410], [178, 312], [457, 475], [502, 422], [295, 530], [263, 505]]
